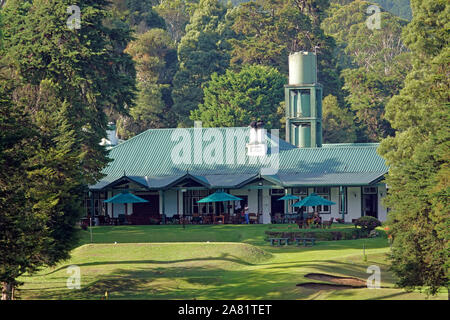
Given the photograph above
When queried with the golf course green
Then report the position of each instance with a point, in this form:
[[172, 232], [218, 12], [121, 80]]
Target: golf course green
[[213, 262]]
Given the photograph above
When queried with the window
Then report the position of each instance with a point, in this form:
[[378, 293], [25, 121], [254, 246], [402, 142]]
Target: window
[[96, 200], [370, 190], [277, 192], [324, 192], [190, 204], [300, 191]]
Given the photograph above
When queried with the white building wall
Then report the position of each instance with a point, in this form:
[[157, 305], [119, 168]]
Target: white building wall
[[170, 203], [266, 206], [334, 194], [252, 195], [354, 203], [180, 203], [119, 208]]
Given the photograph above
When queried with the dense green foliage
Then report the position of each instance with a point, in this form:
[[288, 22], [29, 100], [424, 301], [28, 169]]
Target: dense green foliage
[[419, 154], [224, 65], [400, 8], [367, 223], [176, 14], [201, 52], [347, 233], [63, 81], [236, 98], [18, 224], [137, 14], [374, 63], [362, 68], [337, 122], [156, 60], [268, 31]]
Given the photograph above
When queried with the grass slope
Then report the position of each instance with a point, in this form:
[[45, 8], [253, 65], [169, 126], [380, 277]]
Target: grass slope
[[169, 262]]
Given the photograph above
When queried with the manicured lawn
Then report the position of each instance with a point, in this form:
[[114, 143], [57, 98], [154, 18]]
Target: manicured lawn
[[253, 234], [169, 262]]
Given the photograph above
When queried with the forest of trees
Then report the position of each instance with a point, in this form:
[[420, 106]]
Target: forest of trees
[[166, 63], [360, 69]]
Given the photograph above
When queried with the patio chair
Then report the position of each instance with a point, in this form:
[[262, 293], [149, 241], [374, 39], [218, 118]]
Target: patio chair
[[122, 219], [279, 218], [327, 224], [196, 218], [207, 219], [227, 219], [253, 218]]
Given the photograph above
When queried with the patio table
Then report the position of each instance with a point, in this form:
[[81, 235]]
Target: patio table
[[279, 240]]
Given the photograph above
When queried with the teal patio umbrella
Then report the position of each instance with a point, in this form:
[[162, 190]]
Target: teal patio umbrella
[[125, 197], [313, 200], [288, 197], [219, 196]]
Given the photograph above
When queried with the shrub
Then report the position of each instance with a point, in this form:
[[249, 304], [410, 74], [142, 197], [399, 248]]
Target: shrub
[[367, 223], [320, 235], [154, 221]]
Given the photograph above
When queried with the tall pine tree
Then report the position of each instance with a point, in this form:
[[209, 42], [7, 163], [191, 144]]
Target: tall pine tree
[[64, 80], [419, 154]]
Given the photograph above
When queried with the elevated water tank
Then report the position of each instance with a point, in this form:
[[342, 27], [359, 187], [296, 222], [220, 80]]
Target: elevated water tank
[[305, 136], [302, 68]]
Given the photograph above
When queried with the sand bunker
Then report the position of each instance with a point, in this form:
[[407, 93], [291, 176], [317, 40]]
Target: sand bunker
[[336, 282]]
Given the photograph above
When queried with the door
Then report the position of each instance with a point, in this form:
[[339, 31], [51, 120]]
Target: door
[[370, 205], [142, 212], [276, 206]]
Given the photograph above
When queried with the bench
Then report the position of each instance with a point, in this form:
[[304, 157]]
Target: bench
[[305, 241], [279, 240]]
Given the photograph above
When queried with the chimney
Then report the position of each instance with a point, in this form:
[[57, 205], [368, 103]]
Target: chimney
[[257, 146]]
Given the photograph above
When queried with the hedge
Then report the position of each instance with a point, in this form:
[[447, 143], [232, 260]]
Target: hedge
[[325, 235]]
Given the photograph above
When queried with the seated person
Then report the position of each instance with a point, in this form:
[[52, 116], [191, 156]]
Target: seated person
[[317, 218]]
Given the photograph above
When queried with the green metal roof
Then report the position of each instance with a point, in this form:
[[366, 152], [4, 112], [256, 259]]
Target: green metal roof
[[146, 159]]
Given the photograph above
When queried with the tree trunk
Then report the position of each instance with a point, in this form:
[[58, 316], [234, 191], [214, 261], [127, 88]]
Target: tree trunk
[[7, 291]]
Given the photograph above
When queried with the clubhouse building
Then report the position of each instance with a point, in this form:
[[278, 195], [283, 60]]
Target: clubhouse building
[[174, 168]]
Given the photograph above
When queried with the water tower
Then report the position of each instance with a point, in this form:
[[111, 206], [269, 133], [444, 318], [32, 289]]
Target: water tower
[[303, 100]]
